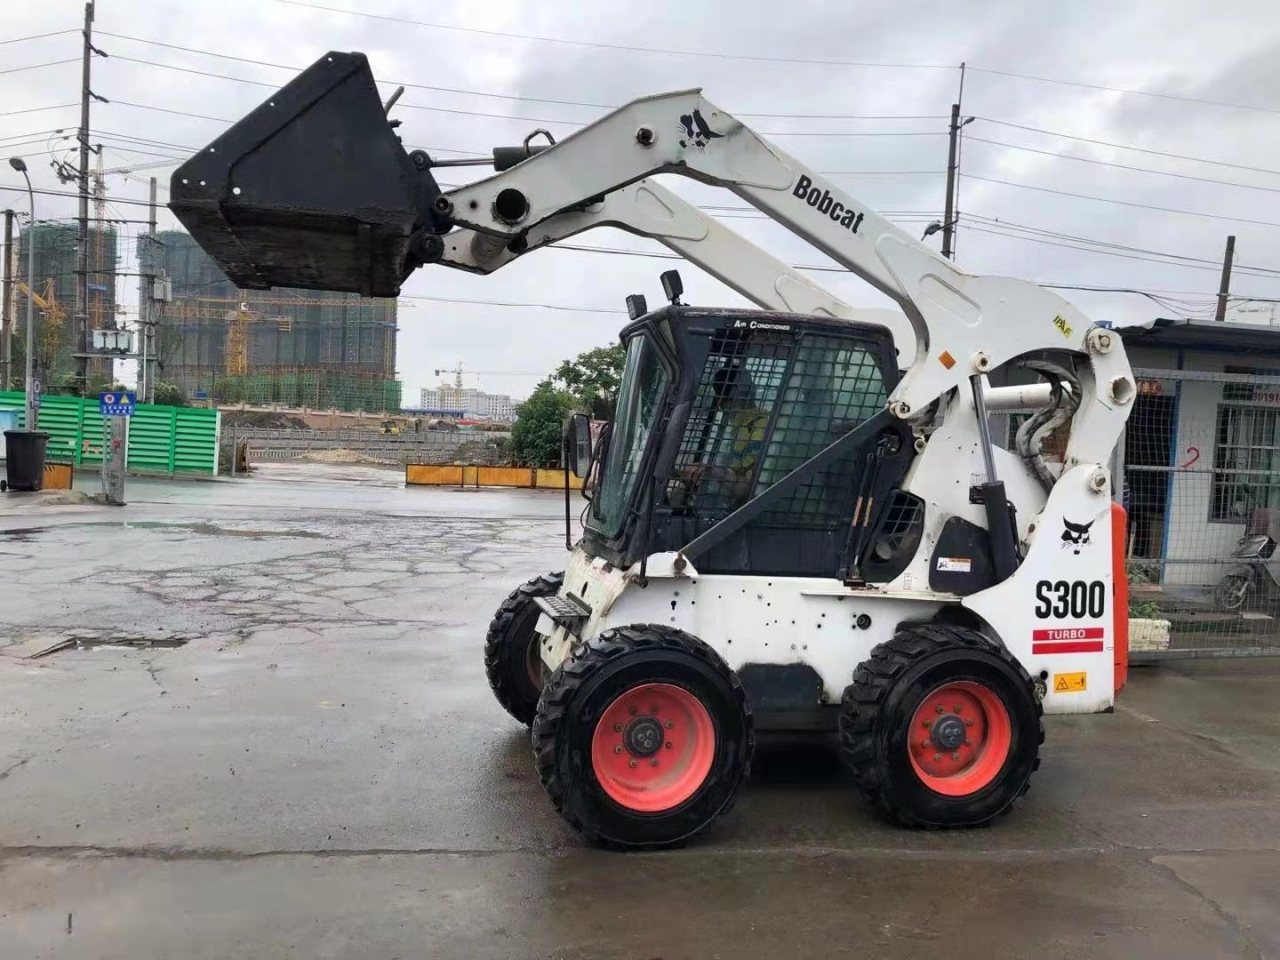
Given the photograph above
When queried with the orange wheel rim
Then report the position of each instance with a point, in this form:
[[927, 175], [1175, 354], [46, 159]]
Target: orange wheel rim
[[960, 738], [653, 747]]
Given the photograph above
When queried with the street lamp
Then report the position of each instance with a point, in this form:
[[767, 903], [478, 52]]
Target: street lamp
[[30, 402]]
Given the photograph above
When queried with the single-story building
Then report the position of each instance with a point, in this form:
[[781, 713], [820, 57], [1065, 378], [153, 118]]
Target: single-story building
[[1202, 446]]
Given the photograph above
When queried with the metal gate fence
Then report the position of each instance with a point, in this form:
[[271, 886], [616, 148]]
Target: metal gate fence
[[1200, 469]]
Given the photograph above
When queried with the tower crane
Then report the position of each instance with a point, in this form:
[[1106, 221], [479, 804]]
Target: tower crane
[[457, 374], [99, 250], [47, 302], [239, 312]]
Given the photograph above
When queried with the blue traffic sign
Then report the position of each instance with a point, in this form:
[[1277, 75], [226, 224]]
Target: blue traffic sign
[[117, 404]]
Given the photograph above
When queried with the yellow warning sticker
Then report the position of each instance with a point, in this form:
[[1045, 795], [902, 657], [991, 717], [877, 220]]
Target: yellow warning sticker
[[1070, 682], [1064, 327]]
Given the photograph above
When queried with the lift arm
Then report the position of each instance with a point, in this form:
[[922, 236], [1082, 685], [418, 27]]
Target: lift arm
[[964, 325], [363, 219], [648, 209]]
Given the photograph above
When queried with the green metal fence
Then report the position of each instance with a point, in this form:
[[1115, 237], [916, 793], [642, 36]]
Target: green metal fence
[[170, 440]]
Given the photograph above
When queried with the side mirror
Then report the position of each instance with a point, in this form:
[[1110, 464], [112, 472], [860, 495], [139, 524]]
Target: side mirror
[[578, 445]]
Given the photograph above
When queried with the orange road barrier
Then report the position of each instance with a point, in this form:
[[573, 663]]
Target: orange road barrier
[[432, 475]]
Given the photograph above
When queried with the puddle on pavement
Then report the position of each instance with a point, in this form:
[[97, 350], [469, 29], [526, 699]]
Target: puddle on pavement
[[26, 534], [22, 534]]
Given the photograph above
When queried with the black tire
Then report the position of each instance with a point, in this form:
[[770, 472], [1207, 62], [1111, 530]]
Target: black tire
[[878, 708], [1233, 592], [511, 657], [576, 698]]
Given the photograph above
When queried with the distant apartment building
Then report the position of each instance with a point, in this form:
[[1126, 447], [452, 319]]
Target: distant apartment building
[[474, 403]]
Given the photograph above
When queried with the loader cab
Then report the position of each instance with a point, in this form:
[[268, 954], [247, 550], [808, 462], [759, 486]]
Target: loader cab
[[714, 408]]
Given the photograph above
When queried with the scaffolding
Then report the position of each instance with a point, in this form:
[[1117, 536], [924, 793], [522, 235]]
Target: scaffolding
[[55, 250], [283, 346]]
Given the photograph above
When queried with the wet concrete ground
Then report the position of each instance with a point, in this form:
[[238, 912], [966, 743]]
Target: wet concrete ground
[[318, 769]]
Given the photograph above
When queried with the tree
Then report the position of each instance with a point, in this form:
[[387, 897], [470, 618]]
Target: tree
[[536, 434], [169, 395], [228, 390], [592, 379], [51, 342], [96, 383]]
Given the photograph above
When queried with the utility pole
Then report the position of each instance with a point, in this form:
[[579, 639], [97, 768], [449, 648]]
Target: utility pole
[[147, 305], [6, 302], [948, 216], [81, 318], [1224, 287]]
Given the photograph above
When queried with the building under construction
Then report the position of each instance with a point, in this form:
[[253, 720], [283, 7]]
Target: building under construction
[[297, 348], [55, 291]]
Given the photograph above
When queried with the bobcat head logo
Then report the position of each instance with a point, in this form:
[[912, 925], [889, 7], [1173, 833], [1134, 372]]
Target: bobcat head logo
[[696, 132], [1075, 535]]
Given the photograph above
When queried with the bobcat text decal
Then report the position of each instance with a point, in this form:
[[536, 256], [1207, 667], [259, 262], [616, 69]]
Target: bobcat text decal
[[821, 201]]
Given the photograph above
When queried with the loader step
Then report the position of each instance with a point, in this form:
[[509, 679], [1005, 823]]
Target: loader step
[[567, 612]]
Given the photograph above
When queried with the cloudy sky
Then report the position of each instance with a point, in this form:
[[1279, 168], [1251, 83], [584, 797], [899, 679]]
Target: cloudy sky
[[1213, 133]]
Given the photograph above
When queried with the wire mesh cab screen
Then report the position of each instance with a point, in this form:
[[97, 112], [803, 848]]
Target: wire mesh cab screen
[[768, 397]]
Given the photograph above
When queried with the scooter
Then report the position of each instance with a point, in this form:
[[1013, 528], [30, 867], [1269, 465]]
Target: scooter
[[1256, 578]]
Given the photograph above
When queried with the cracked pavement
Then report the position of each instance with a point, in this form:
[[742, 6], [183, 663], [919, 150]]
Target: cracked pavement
[[265, 732]]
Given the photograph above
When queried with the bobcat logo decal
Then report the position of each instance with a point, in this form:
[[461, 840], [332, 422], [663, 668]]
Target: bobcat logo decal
[[1075, 535], [696, 132]]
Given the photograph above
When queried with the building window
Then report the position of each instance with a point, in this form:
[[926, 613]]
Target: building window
[[1246, 462]]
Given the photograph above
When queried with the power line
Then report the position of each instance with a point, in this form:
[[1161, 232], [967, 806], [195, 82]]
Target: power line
[[1125, 146], [618, 46], [1216, 265], [12, 188], [703, 54], [1138, 93], [144, 140], [176, 113], [578, 124], [512, 303], [119, 147], [1180, 262], [37, 66], [60, 106], [201, 116], [29, 135], [1121, 166], [461, 90], [1123, 203], [38, 36]]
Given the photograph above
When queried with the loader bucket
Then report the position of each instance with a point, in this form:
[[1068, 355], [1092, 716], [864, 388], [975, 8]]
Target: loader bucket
[[311, 189]]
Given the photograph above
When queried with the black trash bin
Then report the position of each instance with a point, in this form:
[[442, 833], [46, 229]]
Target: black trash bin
[[24, 463]]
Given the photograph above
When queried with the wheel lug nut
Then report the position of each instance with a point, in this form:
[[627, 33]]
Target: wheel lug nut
[[924, 743], [670, 724], [968, 723], [631, 763], [668, 744], [968, 742], [617, 728], [634, 710], [941, 709], [618, 748], [937, 756], [956, 708], [653, 709], [955, 756], [926, 724], [653, 762]]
